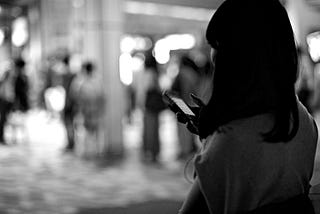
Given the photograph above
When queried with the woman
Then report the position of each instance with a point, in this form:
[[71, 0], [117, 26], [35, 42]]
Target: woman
[[152, 108], [259, 141]]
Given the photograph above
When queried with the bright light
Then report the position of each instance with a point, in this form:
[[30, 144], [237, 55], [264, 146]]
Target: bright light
[[143, 43], [162, 51], [1, 37], [129, 43], [20, 32], [172, 42], [125, 63], [173, 11], [313, 41], [183, 41], [55, 98], [137, 63]]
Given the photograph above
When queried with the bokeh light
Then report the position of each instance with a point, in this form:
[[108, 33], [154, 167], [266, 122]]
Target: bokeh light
[[313, 41], [172, 42], [20, 32]]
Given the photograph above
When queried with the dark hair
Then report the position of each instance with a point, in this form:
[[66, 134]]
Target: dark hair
[[19, 62], [66, 59], [88, 67], [255, 67]]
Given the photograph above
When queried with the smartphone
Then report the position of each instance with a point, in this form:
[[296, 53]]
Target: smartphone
[[178, 104]]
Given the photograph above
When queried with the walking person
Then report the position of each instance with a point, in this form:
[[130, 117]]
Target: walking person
[[87, 91], [258, 140], [7, 97], [69, 109], [21, 86], [153, 106]]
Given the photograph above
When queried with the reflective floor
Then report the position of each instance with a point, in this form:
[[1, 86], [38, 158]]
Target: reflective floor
[[38, 177]]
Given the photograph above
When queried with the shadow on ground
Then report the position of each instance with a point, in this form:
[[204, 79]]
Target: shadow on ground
[[148, 207]]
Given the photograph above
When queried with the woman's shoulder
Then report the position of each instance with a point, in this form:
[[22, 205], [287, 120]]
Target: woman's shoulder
[[249, 130], [241, 134]]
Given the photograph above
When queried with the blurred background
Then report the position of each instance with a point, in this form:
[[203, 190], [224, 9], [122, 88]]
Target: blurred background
[[83, 127]]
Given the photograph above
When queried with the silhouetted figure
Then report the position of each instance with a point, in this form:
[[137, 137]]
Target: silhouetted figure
[[91, 96], [69, 110], [21, 86], [131, 102], [153, 106], [6, 100], [259, 141], [87, 90]]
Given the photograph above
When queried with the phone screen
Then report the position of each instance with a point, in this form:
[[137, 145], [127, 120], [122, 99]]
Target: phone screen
[[182, 105]]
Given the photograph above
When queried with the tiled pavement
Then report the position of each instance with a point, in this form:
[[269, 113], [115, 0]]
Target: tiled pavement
[[37, 177]]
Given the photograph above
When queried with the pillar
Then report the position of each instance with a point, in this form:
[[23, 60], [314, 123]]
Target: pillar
[[92, 29], [101, 42]]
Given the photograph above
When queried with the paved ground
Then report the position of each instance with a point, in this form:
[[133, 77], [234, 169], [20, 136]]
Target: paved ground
[[37, 177]]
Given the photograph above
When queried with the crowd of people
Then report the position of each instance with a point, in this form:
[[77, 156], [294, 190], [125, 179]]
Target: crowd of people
[[73, 95], [82, 101]]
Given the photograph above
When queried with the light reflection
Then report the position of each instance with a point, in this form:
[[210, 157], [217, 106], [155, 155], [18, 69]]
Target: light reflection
[[128, 43], [128, 63], [125, 64], [313, 41], [1, 37], [20, 32], [172, 42], [173, 11]]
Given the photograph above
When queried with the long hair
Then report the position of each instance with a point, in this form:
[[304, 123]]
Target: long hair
[[255, 67]]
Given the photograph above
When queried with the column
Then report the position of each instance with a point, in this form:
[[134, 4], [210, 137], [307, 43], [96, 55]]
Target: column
[[103, 21]]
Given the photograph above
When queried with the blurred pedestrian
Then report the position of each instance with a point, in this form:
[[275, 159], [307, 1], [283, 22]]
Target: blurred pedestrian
[[69, 104], [153, 107], [21, 86], [6, 100], [186, 83], [87, 90], [258, 140]]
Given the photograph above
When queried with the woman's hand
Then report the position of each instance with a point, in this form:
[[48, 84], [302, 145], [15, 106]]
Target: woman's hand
[[192, 123]]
